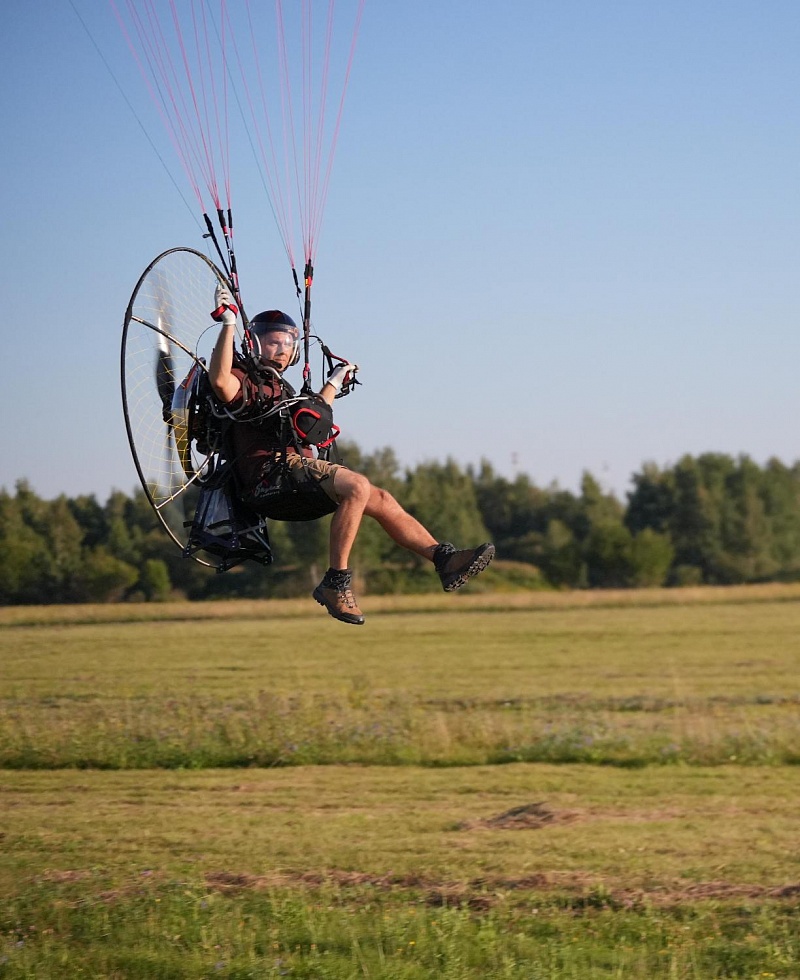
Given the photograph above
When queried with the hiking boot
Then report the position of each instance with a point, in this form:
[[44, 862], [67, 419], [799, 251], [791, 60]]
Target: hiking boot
[[335, 593], [457, 567]]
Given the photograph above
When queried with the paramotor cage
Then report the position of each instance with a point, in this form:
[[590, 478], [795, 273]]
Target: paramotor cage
[[178, 442]]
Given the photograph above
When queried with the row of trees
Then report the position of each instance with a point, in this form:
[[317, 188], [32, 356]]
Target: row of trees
[[708, 519]]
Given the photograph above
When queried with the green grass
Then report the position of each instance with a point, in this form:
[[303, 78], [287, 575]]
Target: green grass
[[181, 933], [667, 848], [700, 683], [638, 829], [350, 871]]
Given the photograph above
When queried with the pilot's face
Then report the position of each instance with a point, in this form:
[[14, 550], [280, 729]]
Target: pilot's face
[[277, 349]]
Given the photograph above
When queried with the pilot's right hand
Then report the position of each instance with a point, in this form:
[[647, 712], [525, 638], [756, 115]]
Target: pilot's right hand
[[225, 309]]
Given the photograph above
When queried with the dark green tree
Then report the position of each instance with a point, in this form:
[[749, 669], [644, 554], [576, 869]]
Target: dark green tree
[[442, 497], [515, 513], [651, 556], [154, 580], [609, 556], [91, 518], [103, 577], [561, 557], [651, 503], [25, 560], [695, 526], [780, 493], [746, 533]]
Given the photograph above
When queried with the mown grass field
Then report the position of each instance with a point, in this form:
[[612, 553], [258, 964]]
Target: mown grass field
[[253, 790]]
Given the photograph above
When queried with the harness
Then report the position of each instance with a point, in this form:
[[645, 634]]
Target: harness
[[287, 490], [223, 525], [230, 518]]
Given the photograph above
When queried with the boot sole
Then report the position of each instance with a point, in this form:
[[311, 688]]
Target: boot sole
[[342, 617], [477, 565]]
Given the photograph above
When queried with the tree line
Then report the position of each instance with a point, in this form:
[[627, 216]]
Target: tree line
[[710, 519]]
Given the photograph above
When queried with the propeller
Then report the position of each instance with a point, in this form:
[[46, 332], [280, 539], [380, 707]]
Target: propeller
[[165, 386], [165, 375]]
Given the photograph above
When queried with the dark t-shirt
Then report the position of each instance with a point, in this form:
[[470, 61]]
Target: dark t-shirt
[[258, 442]]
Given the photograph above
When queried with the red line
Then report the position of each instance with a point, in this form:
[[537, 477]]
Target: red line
[[323, 99], [155, 94], [287, 113], [280, 203], [180, 62], [337, 126], [210, 179]]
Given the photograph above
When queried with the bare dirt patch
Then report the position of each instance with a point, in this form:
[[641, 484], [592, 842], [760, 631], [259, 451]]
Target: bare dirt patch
[[69, 875], [529, 816], [579, 890]]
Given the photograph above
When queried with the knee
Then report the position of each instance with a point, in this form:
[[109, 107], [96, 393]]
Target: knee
[[380, 502], [356, 487]]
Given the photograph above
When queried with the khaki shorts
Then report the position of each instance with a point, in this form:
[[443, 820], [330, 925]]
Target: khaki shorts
[[320, 470], [297, 488]]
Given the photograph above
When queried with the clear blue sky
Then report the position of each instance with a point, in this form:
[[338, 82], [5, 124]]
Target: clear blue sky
[[561, 235]]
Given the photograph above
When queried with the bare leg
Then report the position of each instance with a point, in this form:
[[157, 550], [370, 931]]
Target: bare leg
[[353, 491], [358, 497]]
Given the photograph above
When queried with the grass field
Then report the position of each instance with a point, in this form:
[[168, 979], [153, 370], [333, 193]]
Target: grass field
[[251, 790]]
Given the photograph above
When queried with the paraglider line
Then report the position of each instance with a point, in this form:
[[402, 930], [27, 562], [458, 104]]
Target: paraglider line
[[135, 115]]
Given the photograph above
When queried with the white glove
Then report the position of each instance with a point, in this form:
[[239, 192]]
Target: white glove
[[225, 309], [341, 374]]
